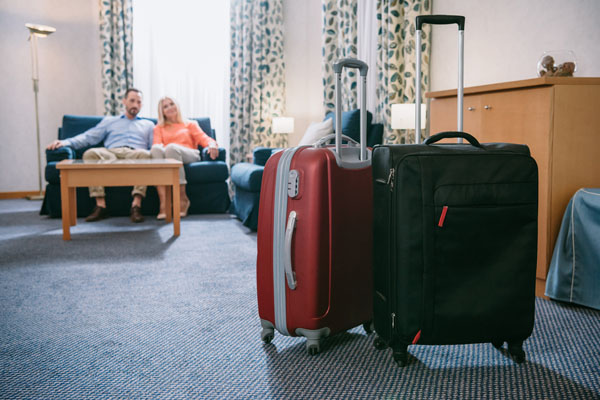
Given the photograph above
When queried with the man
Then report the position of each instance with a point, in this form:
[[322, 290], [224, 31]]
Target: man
[[125, 137]]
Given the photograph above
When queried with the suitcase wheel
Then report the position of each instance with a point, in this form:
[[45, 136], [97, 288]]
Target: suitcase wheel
[[312, 346], [515, 349], [368, 327], [400, 356], [267, 335], [379, 343], [497, 343]]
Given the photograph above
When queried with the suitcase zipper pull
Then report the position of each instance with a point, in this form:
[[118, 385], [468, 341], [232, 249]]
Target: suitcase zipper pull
[[417, 337], [390, 180], [443, 216], [393, 320]]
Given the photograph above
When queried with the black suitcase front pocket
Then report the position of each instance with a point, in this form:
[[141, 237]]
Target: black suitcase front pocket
[[483, 262]]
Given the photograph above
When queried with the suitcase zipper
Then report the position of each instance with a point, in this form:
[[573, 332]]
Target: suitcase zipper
[[392, 258], [390, 180]]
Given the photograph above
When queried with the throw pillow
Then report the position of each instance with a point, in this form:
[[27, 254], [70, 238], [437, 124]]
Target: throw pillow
[[316, 131], [351, 123]]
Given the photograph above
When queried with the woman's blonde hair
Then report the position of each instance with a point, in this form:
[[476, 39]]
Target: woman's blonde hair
[[161, 117]]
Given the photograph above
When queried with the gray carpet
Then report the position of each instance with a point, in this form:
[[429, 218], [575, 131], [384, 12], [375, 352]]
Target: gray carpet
[[127, 311]]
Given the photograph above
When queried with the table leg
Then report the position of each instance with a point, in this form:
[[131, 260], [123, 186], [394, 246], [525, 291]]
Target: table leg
[[73, 205], [65, 200], [176, 203], [168, 203]]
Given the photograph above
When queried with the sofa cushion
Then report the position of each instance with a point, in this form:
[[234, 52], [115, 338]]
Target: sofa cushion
[[205, 126], [247, 176], [73, 125], [206, 172], [375, 135], [351, 123], [316, 131]]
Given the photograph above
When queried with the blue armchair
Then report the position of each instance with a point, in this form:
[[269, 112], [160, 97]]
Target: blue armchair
[[207, 187], [247, 177]]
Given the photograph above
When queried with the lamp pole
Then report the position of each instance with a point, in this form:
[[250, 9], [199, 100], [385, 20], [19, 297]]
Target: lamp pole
[[34, 32]]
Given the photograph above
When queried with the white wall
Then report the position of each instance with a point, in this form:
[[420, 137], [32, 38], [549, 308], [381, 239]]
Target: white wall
[[505, 39], [69, 69]]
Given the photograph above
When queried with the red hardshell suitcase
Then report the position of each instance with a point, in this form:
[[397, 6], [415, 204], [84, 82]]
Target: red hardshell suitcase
[[314, 275]]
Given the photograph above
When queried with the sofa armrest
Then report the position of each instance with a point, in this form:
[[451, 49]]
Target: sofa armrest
[[62, 153], [205, 157], [247, 176], [260, 155]]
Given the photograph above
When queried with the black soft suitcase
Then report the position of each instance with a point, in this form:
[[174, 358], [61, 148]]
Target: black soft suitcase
[[455, 241]]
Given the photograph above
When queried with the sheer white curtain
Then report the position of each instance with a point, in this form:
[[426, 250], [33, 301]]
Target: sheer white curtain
[[181, 49], [367, 47]]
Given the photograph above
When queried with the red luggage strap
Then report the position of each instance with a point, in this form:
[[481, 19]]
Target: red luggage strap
[[443, 216]]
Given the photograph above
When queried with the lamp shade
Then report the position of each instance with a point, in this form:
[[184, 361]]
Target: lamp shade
[[403, 116], [40, 30], [283, 125]]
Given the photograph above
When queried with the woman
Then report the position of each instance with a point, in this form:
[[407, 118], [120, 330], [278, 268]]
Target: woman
[[177, 138]]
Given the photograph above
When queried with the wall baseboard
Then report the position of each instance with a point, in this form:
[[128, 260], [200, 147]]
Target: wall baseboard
[[17, 195]]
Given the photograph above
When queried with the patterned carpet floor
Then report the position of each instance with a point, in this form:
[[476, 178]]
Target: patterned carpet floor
[[126, 311]]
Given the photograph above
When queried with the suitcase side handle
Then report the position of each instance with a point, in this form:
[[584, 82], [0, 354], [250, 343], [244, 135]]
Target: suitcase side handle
[[289, 233], [453, 134], [440, 20]]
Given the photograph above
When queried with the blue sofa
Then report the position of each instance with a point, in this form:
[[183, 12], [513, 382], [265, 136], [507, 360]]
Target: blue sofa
[[207, 187], [247, 177]]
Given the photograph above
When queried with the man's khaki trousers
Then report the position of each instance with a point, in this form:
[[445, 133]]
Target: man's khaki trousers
[[117, 153]]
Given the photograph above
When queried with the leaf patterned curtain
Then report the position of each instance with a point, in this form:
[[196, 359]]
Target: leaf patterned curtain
[[117, 59], [257, 75], [339, 41], [396, 60]]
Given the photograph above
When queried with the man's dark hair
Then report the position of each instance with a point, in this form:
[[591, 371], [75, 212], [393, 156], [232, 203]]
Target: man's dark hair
[[132, 89]]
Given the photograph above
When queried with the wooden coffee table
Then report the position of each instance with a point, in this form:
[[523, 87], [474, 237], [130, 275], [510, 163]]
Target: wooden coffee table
[[80, 173]]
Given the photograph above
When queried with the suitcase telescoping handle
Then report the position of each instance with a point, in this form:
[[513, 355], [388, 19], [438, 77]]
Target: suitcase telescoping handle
[[440, 20], [337, 68]]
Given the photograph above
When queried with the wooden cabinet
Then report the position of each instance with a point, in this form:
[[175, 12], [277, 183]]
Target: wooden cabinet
[[558, 118]]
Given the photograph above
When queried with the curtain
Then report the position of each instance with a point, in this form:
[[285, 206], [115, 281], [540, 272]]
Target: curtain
[[340, 37], [396, 60], [257, 92], [180, 52], [367, 47], [116, 41]]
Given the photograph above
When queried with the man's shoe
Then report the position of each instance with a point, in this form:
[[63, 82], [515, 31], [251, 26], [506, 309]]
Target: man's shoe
[[136, 214], [97, 214]]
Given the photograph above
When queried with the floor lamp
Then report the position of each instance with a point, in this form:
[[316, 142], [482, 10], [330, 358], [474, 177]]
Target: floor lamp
[[36, 31]]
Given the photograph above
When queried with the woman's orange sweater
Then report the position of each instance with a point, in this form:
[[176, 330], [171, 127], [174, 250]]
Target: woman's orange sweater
[[187, 134]]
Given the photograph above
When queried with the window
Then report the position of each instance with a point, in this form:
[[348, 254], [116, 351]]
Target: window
[[181, 49]]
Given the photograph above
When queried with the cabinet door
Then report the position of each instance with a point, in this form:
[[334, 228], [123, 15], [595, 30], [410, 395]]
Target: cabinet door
[[444, 115], [524, 116]]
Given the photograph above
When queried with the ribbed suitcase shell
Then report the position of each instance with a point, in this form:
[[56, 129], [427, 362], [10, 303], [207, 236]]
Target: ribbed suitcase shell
[[331, 248]]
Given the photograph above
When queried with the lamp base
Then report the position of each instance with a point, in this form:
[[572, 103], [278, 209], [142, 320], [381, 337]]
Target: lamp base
[[39, 196]]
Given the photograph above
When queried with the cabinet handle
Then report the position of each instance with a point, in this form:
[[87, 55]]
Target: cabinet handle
[[470, 108], [487, 107]]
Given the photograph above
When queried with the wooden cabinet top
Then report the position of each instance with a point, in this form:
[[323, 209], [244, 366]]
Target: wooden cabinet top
[[526, 83]]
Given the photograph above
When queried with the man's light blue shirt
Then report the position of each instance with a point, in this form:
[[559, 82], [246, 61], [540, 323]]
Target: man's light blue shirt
[[117, 131]]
